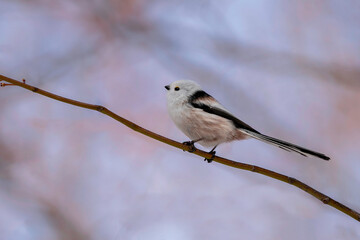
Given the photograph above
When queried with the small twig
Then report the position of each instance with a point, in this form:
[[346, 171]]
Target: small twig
[[322, 197], [10, 84], [6, 84]]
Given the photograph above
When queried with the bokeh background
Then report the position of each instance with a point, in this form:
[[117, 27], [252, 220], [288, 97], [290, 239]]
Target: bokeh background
[[289, 69]]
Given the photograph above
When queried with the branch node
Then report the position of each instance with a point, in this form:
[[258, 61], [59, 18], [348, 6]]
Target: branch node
[[291, 180], [325, 200], [35, 89], [100, 108], [253, 169]]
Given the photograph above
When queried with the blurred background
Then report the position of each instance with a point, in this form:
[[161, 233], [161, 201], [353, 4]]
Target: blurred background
[[289, 69]]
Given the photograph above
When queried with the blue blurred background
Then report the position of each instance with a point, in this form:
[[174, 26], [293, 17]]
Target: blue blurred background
[[289, 69]]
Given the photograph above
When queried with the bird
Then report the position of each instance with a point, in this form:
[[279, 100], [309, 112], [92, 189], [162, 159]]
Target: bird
[[206, 122]]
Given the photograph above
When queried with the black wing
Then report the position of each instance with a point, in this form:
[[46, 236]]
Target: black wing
[[200, 96], [204, 101]]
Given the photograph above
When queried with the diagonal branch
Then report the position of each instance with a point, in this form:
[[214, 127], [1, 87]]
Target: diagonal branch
[[322, 197]]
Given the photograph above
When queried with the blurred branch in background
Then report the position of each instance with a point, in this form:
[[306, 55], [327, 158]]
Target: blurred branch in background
[[63, 215], [60, 219], [132, 23]]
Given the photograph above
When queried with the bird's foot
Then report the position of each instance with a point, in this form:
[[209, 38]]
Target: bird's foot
[[191, 146], [209, 160]]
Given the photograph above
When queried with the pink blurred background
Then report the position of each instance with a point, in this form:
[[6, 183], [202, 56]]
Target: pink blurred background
[[290, 70]]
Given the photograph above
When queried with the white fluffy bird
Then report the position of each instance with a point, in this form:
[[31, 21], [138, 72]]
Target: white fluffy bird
[[205, 121]]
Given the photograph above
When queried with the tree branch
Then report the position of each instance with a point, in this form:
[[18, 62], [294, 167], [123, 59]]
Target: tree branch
[[322, 197]]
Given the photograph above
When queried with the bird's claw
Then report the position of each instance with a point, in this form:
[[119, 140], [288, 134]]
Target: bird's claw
[[209, 160], [191, 146]]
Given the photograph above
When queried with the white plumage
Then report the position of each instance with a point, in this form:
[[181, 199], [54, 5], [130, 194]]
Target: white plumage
[[205, 121]]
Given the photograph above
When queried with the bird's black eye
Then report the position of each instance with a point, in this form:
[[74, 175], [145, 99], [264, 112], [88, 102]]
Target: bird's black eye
[[176, 88]]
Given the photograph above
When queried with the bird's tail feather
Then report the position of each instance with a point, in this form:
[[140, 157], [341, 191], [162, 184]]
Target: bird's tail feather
[[284, 145]]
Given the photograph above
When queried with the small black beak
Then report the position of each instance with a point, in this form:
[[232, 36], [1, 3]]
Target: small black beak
[[167, 87]]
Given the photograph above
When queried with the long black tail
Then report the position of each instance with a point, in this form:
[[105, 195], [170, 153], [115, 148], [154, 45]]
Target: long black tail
[[284, 145]]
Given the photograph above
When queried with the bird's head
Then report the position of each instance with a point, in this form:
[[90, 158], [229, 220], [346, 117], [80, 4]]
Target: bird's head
[[180, 91]]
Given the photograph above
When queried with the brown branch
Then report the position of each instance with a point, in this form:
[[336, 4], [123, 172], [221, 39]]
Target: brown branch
[[322, 197]]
